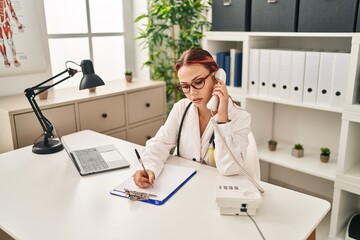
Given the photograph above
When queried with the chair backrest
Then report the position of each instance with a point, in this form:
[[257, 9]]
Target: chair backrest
[[252, 165]]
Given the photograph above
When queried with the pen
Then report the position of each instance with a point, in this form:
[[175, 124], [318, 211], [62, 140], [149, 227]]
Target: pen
[[146, 174]]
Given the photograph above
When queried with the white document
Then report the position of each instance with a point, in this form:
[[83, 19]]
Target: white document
[[297, 76], [285, 74], [264, 72], [326, 69], [340, 77], [311, 77], [171, 179], [254, 71], [274, 73], [233, 51]]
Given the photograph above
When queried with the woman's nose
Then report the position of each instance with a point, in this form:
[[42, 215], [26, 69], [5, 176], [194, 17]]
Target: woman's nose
[[193, 90]]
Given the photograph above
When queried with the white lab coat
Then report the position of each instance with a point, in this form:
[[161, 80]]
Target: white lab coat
[[194, 147]]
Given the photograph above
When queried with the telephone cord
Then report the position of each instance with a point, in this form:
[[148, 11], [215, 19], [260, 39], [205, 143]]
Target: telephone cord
[[243, 172]]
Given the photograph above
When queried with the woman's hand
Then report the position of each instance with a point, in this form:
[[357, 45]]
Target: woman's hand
[[141, 180], [220, 90]]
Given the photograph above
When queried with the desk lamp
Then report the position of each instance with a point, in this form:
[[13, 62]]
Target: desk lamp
[[89, 80]]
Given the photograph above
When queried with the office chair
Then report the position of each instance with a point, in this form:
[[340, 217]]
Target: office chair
[[252, 165]]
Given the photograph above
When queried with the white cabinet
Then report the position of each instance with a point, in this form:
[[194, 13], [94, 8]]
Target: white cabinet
[[105, 114], [27, 126], [116, 109], [312, 124]]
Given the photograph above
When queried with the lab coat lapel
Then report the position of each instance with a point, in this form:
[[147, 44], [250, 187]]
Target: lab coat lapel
[[192, 139]]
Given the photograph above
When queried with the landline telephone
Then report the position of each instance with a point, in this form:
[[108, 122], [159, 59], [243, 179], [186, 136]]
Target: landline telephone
[[214, 100], [235, 195]]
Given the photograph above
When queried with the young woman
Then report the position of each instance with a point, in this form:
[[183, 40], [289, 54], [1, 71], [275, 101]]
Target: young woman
[[189, 127]]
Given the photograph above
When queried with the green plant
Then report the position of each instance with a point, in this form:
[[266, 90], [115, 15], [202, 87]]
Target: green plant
[[325, 151], [298, 146], [128, 73], [272, 142], [173, 26]]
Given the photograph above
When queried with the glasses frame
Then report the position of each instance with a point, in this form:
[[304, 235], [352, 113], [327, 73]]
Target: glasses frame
[[180, 86]]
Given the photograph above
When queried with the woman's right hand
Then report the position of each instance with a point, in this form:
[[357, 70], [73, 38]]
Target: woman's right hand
[[141, 180]]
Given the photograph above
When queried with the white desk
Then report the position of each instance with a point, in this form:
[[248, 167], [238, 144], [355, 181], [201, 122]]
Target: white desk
[[44, 197]]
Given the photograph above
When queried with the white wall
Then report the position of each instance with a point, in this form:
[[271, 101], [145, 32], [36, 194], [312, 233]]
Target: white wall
[[139, 7], [17, 84]]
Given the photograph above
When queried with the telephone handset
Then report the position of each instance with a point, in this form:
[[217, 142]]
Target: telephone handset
[[214, 101]]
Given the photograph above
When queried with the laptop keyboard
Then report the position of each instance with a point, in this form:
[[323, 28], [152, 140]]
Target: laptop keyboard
[[91, 160]]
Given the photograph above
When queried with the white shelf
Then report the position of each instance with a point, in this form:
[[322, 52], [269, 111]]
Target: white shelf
[[312, 125], [226, 36], [310, 163], [240, 36], [275, 100], [350, 180], [351, 115]]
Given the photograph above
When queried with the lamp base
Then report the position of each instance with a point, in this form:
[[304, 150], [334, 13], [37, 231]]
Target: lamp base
[[52, 146]]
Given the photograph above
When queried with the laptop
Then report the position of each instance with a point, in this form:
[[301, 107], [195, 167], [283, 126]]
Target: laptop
[[97, 159]]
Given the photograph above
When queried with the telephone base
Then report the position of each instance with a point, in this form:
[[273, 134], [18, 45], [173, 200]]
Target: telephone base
[[236, 195], [237, 211]]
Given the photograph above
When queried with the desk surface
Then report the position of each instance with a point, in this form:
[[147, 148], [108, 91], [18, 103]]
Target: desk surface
[[44, 197]]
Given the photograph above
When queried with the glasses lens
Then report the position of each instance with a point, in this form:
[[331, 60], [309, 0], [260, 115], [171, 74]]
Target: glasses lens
[[185, 88], [197, 84]]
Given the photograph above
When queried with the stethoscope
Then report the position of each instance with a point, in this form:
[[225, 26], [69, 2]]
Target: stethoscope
[[211, 141]]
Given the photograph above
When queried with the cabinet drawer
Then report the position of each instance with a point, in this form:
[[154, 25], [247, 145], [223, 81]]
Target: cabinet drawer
[[117, 134], [28, 128], [102, 114], [142, 133], [146, 104]]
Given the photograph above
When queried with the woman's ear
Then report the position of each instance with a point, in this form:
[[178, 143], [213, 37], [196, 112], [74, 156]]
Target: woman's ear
[[214, 78]]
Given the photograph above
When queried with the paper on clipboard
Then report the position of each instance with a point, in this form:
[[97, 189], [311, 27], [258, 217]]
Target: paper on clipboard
[[171, 179]]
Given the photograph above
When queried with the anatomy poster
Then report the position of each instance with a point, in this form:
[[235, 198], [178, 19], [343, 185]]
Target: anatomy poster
[[22, 49]]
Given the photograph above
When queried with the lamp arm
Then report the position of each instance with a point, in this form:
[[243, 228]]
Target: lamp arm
[[71, 72], [44, 122], [30, 95]]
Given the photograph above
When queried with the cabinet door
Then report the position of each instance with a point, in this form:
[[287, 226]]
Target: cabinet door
[[145, 104], [121, 134], [142, 133], [102, 114], [28, 128]]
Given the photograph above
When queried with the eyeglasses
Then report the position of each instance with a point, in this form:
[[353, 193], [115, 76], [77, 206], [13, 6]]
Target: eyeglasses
[[197, 84]]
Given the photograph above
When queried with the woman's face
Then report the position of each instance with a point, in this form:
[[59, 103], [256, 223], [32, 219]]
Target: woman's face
[[193, 74]]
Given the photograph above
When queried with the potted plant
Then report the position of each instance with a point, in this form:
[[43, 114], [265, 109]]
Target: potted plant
[[43, 95], [325, 154], [298, 150], [272, 144], [128, 76], [171, 28]]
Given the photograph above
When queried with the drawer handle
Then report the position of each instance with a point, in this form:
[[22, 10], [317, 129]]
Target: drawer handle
[[104, 115], [147, 104], [226, 2]]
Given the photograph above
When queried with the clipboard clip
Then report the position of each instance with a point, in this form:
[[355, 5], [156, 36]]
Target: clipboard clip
[[137, 196]]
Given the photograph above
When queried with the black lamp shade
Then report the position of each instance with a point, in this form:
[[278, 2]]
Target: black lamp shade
[[89, 79]]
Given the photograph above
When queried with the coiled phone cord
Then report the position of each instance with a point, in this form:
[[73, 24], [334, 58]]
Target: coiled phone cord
[[243, 172]]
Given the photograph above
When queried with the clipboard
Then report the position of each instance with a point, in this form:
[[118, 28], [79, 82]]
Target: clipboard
[[171, 179]]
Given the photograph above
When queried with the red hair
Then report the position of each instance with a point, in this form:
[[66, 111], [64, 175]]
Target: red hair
[[197, 56]]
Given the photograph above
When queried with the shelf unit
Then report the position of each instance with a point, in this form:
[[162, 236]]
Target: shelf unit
[[314, 126]]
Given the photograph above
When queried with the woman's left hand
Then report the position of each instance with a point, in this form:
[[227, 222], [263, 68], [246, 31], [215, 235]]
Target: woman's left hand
[[220, 90]]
